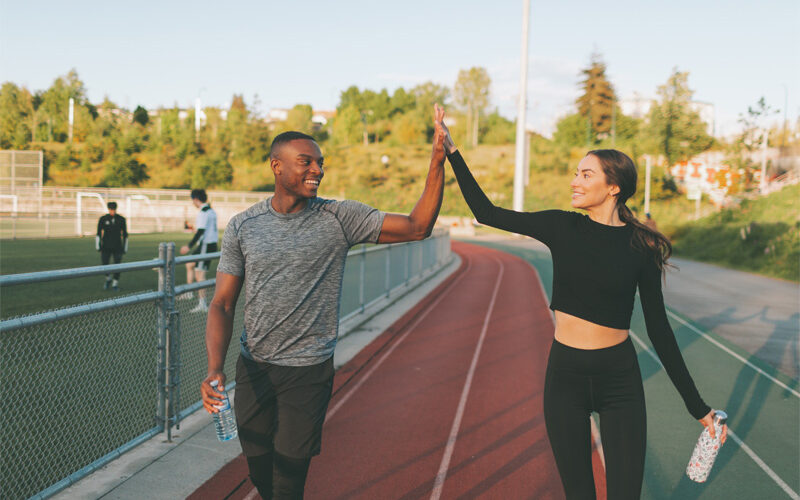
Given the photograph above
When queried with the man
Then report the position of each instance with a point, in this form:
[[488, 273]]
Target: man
[[111, 241], [290, 252], [205, 237]]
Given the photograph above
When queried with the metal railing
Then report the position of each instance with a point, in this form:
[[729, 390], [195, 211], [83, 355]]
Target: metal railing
[[86, 383]]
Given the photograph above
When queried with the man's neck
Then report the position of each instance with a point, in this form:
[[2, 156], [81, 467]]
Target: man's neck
[[288, 204]]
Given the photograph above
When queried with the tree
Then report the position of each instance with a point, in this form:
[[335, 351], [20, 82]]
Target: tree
[[14, 110], [498, 130], [750, 140], [347, 126], [124, 170], [677, 131], [472, 94], [596, 103], [571, 131], [299, 119], [140, 116]]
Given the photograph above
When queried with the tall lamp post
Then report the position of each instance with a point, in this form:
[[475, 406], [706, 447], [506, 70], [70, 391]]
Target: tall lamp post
[[522, 138]]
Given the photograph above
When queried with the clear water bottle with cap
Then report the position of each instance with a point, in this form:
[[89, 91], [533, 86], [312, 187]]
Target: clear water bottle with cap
[[224, 419], [706, 450]]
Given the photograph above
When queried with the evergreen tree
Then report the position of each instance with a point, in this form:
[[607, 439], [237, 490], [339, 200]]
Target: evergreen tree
[[597, 100], [140, 116]]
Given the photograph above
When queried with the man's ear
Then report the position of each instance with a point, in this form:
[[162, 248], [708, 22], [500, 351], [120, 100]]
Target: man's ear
[[275, 165]]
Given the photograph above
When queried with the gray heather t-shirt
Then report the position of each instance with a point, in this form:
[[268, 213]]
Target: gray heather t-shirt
[[292, 266]]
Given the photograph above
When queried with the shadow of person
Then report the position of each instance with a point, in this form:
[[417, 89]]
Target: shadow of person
[[747, 398]]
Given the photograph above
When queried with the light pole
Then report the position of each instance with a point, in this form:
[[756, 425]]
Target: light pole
[[519, 164]]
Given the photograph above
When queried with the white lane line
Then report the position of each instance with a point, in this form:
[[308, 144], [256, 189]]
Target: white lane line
[[766, 468], [391, 349], [438, 484], [735, 355], [598, 443], [252, 495]]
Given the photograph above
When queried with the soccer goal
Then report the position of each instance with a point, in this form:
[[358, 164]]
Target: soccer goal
[[80, 211]]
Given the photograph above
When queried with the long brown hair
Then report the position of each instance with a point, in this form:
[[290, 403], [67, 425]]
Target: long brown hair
[[620, 171]]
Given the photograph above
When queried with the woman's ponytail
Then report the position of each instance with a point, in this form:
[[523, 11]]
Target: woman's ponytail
[[621, 172]]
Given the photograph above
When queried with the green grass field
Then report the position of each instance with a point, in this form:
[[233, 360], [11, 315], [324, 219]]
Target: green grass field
[[24, 256]]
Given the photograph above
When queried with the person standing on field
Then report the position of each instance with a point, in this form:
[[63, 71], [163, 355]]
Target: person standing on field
[[290, 251], [111, 241], [205, 237]]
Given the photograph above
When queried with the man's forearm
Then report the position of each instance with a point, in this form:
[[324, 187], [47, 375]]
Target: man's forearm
[[427, 208], [219, 328]]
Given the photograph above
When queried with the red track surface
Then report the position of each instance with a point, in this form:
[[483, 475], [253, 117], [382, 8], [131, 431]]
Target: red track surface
[[395, 403]]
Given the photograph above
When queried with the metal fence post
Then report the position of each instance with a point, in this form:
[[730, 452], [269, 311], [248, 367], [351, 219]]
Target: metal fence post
[[174, 372], [167, 369], [408, 262], [388, 269], [362, 277], [166, 284], [162, 338]]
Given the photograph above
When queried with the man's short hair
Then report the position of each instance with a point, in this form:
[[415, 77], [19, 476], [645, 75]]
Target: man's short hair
[[285, 137], [199, 194], [112, 205]]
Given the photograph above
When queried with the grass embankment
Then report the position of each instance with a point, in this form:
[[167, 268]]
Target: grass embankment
[[761, 236]]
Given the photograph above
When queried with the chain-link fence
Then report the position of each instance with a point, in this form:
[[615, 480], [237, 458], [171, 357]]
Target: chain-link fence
[[86, 383]]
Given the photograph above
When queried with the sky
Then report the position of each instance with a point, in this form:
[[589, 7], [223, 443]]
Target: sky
[[170, 52]]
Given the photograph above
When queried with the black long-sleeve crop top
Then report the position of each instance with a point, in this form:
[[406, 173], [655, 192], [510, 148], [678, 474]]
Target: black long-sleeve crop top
[[595, 274]]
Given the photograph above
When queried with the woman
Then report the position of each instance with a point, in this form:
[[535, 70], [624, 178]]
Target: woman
[[599, 259]]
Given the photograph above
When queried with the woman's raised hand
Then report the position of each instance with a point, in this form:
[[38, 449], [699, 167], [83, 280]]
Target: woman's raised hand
[[449, 145], [439, 134]]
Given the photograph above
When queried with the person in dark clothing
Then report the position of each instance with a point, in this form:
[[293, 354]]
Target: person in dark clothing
[[111, 241], [599, 260]]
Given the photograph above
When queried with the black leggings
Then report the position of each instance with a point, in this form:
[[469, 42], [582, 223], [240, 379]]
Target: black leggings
[[608, 382]]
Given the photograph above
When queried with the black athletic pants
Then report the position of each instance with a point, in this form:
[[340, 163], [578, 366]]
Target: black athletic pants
[[606, 381], [280, 411], [105, 257]]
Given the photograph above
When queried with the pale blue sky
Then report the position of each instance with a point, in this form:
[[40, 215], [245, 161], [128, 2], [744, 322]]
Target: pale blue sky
[[161, 53]]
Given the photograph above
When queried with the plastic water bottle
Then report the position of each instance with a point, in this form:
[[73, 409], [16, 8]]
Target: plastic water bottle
[[224, 419], [706, 450]]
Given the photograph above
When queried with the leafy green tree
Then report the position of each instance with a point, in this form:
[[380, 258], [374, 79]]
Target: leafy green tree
[[498, 130], [596, 103], [472, 94], [347, 127], [140, 116], [15, 107], [572, 131], [211, 170], [299, 119], [676, 131], [124, 170], [754, 131]]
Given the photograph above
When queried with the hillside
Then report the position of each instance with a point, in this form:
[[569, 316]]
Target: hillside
[[761, 236]]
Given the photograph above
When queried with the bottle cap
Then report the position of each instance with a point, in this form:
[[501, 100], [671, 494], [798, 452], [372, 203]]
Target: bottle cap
[[720, 417]]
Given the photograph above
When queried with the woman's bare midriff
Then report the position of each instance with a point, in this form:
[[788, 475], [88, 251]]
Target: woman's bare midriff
[[581, 334]]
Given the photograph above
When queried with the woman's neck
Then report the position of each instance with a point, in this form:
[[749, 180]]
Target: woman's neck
[[607, 213]]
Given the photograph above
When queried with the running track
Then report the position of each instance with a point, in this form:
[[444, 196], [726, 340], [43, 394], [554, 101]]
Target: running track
[[447, 403]]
